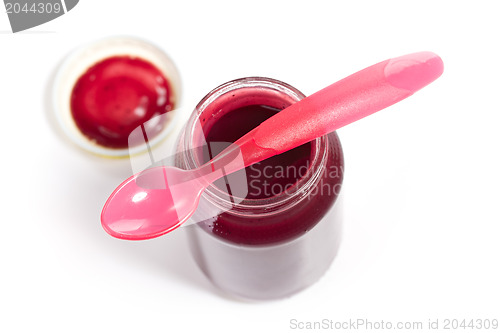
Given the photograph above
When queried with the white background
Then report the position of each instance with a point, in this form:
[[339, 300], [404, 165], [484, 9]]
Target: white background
[[421, 194]]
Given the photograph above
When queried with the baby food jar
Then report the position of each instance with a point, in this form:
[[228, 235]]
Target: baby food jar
[[274, 228]]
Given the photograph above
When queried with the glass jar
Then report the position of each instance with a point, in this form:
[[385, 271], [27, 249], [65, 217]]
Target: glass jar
[[269, 247]]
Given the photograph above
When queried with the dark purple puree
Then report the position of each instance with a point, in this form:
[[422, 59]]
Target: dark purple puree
[[270, 178]]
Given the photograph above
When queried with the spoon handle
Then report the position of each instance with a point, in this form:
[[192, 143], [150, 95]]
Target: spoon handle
[[350, 99]]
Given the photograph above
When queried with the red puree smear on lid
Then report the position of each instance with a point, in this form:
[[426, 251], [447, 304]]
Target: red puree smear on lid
[[115, 96]]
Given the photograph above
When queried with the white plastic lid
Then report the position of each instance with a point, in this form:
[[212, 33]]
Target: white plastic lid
[[79, 61]]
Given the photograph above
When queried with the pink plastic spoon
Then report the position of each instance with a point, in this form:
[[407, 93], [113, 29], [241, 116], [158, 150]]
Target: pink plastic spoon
[[158, 200]]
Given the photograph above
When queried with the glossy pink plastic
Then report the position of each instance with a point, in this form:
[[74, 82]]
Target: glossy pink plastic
[[158, 200]]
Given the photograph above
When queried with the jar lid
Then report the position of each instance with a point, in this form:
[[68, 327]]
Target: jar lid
[[79, 62]]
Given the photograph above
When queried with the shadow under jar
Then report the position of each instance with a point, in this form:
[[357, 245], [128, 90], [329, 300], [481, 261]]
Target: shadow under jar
[[273, 228]]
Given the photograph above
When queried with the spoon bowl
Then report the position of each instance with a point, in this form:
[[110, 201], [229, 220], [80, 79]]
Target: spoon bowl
[[151, 203]]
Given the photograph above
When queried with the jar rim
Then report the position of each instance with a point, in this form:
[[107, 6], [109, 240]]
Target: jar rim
[[265, 206]]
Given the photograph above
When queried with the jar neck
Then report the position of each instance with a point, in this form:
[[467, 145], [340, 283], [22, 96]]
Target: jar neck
[[233, 95]]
